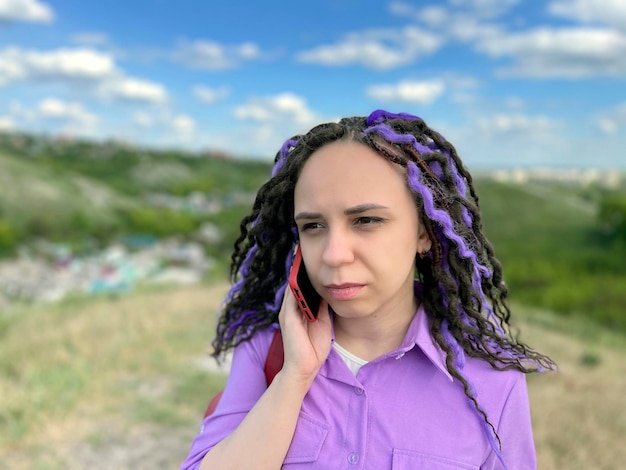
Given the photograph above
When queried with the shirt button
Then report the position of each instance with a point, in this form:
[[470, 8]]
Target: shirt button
[[353, 458], [358, 390]]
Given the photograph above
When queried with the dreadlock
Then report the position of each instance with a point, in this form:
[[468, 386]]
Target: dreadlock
[[462, 286]]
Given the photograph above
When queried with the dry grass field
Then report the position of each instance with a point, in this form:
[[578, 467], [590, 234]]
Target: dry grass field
[[120, 383]]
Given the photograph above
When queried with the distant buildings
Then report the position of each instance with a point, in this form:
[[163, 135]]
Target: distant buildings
[[578, 176]]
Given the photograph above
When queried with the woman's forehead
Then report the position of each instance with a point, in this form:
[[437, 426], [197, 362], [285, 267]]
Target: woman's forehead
[[349, 172]]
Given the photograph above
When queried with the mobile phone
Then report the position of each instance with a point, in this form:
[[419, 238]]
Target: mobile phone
[[307, 297]]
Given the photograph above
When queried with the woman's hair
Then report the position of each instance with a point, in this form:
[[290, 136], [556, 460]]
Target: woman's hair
[[462, 287]]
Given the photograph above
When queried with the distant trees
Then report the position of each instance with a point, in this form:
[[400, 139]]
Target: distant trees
[[612, 216], [8, 237], [158, 222]]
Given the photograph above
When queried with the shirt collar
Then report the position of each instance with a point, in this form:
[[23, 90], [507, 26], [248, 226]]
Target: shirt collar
[[419, 335]]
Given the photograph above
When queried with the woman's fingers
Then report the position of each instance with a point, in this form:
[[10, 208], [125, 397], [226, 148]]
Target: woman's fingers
[[306, 344], [320, 332]]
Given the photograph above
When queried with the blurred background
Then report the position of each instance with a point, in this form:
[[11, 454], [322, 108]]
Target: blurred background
[[134, 135]]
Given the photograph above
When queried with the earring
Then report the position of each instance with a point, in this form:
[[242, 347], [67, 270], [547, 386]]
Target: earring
[[422, 254]]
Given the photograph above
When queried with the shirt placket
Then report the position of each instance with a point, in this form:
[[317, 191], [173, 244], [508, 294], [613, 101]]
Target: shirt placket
[[358, 417]]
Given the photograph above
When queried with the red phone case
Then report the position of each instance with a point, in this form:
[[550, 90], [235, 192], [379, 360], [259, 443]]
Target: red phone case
[[306, 296]]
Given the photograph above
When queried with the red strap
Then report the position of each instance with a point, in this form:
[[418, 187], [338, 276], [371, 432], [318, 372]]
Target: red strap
[[213, 403], [275, 357], [273, 365]]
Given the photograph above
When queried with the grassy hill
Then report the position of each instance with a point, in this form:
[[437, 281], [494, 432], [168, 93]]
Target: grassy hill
[[123, 382], [34, 194], [135, 170], [547, 235], [74, 190], [554, 254]]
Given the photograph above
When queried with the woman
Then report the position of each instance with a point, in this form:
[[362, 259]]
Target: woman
[[410, 363]]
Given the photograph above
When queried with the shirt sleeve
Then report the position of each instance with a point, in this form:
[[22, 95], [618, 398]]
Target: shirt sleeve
[[245, 385], [515, 432]]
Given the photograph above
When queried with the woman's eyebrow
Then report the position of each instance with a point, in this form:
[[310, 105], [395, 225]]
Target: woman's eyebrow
[[363, 208], [349, 211], [308, 216]]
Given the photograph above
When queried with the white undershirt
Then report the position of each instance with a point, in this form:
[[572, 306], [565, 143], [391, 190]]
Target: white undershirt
[[353, 362]]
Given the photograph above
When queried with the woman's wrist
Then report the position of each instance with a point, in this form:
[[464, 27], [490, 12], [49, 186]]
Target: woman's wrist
[[294, 383]]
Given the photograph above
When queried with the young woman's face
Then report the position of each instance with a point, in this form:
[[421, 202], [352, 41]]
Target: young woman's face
[[359, 230]]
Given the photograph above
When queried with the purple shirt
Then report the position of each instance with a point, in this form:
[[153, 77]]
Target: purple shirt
[[402, 411]]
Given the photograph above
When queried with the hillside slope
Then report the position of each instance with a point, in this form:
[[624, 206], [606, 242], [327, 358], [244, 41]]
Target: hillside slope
[[122, 383], [552, 250], [30, 191]]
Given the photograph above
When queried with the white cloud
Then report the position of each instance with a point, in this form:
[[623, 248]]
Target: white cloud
[[613, 121], [505, 139], [467, 29], [516, 124], [74, 64], [180, 127], [434, 15], [485, 8], [90, 38], [565, 52], [608, 125], [53, 108], [210, 55], [269, 120], [6, 123], [282, 107], [133, 90], [465, 22], [210, 95], [144, 120], [87, 68], [26, 10], [610, 12], [431, 15], [380, 49], [542, 52], [56, 116], [461, 19], [514, 102], [424, 92], [183, 124]]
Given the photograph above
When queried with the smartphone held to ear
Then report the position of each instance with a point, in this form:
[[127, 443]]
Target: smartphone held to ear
[[307, 297]]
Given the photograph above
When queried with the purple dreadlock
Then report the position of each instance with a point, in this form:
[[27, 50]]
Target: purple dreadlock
[[462, 287]]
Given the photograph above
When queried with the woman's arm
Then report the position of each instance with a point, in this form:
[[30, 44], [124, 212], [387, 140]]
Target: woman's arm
[[515, 432], [262, 439]]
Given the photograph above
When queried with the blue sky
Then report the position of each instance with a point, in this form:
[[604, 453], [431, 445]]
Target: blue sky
[[510, 83]]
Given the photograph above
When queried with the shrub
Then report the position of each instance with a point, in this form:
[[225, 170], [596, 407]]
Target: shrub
[[8, 237], [612, 215], [158, 222]]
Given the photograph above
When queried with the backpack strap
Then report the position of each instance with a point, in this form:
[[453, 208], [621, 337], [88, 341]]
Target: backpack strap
[[275, 357], [273, 365]]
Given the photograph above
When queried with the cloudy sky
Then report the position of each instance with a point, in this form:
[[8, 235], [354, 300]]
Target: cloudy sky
[[511, 83]]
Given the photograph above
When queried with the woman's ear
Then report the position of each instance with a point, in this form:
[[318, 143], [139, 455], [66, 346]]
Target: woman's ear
[[424, 244]]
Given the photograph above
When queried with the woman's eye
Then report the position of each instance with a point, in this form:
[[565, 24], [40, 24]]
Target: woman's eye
[[311, 226], [368, 220]]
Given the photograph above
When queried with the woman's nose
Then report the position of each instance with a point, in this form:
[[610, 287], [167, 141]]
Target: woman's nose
[[338, 249]]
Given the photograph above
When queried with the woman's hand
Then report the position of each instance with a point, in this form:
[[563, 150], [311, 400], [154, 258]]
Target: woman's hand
[[306, 344], [268, 428]]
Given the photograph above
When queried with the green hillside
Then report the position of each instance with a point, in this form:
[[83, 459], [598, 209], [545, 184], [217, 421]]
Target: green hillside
[[37, 192], [553, 250], [560, 245], [134, 170], [72, 191]]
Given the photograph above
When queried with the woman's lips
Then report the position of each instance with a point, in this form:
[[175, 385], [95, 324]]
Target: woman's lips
[[344, 291]]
